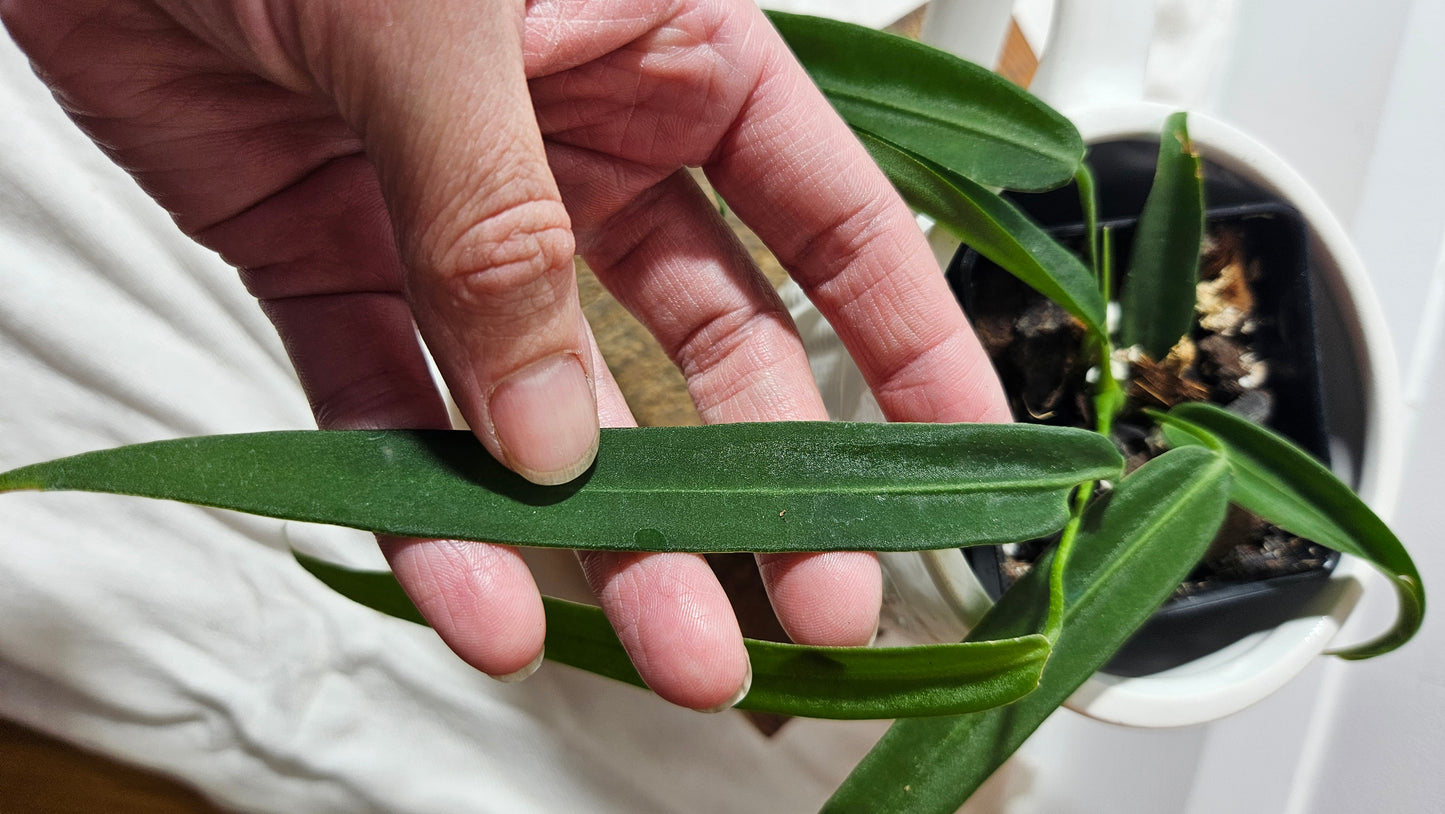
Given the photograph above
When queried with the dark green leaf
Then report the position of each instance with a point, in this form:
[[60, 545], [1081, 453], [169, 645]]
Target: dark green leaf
[[778, 486], [1158, 294], [994, 228], [932, 103], [818, 682], [1284, 485], [1134, 548]]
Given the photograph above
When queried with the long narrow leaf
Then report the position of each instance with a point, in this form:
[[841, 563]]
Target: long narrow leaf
[[1158, 296], [780, 486], [1133, 550], [1284, 485], [817, 682], [959, 115], [993, 227]]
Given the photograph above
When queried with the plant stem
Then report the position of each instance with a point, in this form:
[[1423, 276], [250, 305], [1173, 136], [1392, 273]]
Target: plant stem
[[1108, 395], [1055, 621], [1106, 266], [1090, 204]]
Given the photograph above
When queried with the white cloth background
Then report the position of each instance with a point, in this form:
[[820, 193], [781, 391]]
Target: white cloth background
[[187, 640]]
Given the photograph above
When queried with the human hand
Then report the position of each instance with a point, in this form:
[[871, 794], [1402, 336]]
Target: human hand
[[376, 167]]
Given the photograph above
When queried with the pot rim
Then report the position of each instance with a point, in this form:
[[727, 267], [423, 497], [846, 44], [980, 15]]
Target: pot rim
[[1253, 668]]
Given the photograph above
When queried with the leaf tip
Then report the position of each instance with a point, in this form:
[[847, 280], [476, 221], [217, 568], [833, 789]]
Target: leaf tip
[[16, 480]]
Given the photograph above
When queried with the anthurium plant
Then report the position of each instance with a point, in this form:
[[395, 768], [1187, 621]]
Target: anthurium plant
[[949, 135]]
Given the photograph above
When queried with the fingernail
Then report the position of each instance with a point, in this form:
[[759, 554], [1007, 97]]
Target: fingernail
[[522, 674], [738, 696], [545, 419]]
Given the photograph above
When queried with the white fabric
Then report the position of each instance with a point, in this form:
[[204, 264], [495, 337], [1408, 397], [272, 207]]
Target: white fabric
[[187, 640]]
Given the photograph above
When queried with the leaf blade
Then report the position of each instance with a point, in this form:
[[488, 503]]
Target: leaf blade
[[1133, 549], [993, 227], [1157, 302], [1286, 486], [817, 682], [779, 486], [958, 114]]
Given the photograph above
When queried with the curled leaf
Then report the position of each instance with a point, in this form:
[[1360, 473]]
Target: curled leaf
[[1284, 485], [788, 679]]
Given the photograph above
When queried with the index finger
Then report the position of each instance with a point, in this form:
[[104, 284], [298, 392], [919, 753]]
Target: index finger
[[795, 173]]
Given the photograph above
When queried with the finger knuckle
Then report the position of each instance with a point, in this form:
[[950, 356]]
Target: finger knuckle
[[507, 258], [370, 400], [852, 236]]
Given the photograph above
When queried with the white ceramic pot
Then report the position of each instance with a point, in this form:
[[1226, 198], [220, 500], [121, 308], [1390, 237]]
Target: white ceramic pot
[[1361, 401], [935, 597]]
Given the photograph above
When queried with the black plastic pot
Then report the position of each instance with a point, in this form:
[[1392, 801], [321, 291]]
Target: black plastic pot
[[1273, 234]]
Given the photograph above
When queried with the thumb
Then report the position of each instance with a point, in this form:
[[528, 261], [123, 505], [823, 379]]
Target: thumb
[[438, 93]]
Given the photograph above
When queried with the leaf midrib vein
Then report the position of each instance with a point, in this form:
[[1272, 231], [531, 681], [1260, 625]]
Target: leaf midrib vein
[[1161, 519], [835, 91], [1051, 484]]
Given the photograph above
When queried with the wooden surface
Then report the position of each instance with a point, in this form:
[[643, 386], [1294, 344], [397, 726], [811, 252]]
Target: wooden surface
[[653, 386], [42, 775]]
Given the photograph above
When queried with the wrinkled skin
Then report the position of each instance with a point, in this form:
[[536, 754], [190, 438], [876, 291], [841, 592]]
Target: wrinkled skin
[[377, 166]]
